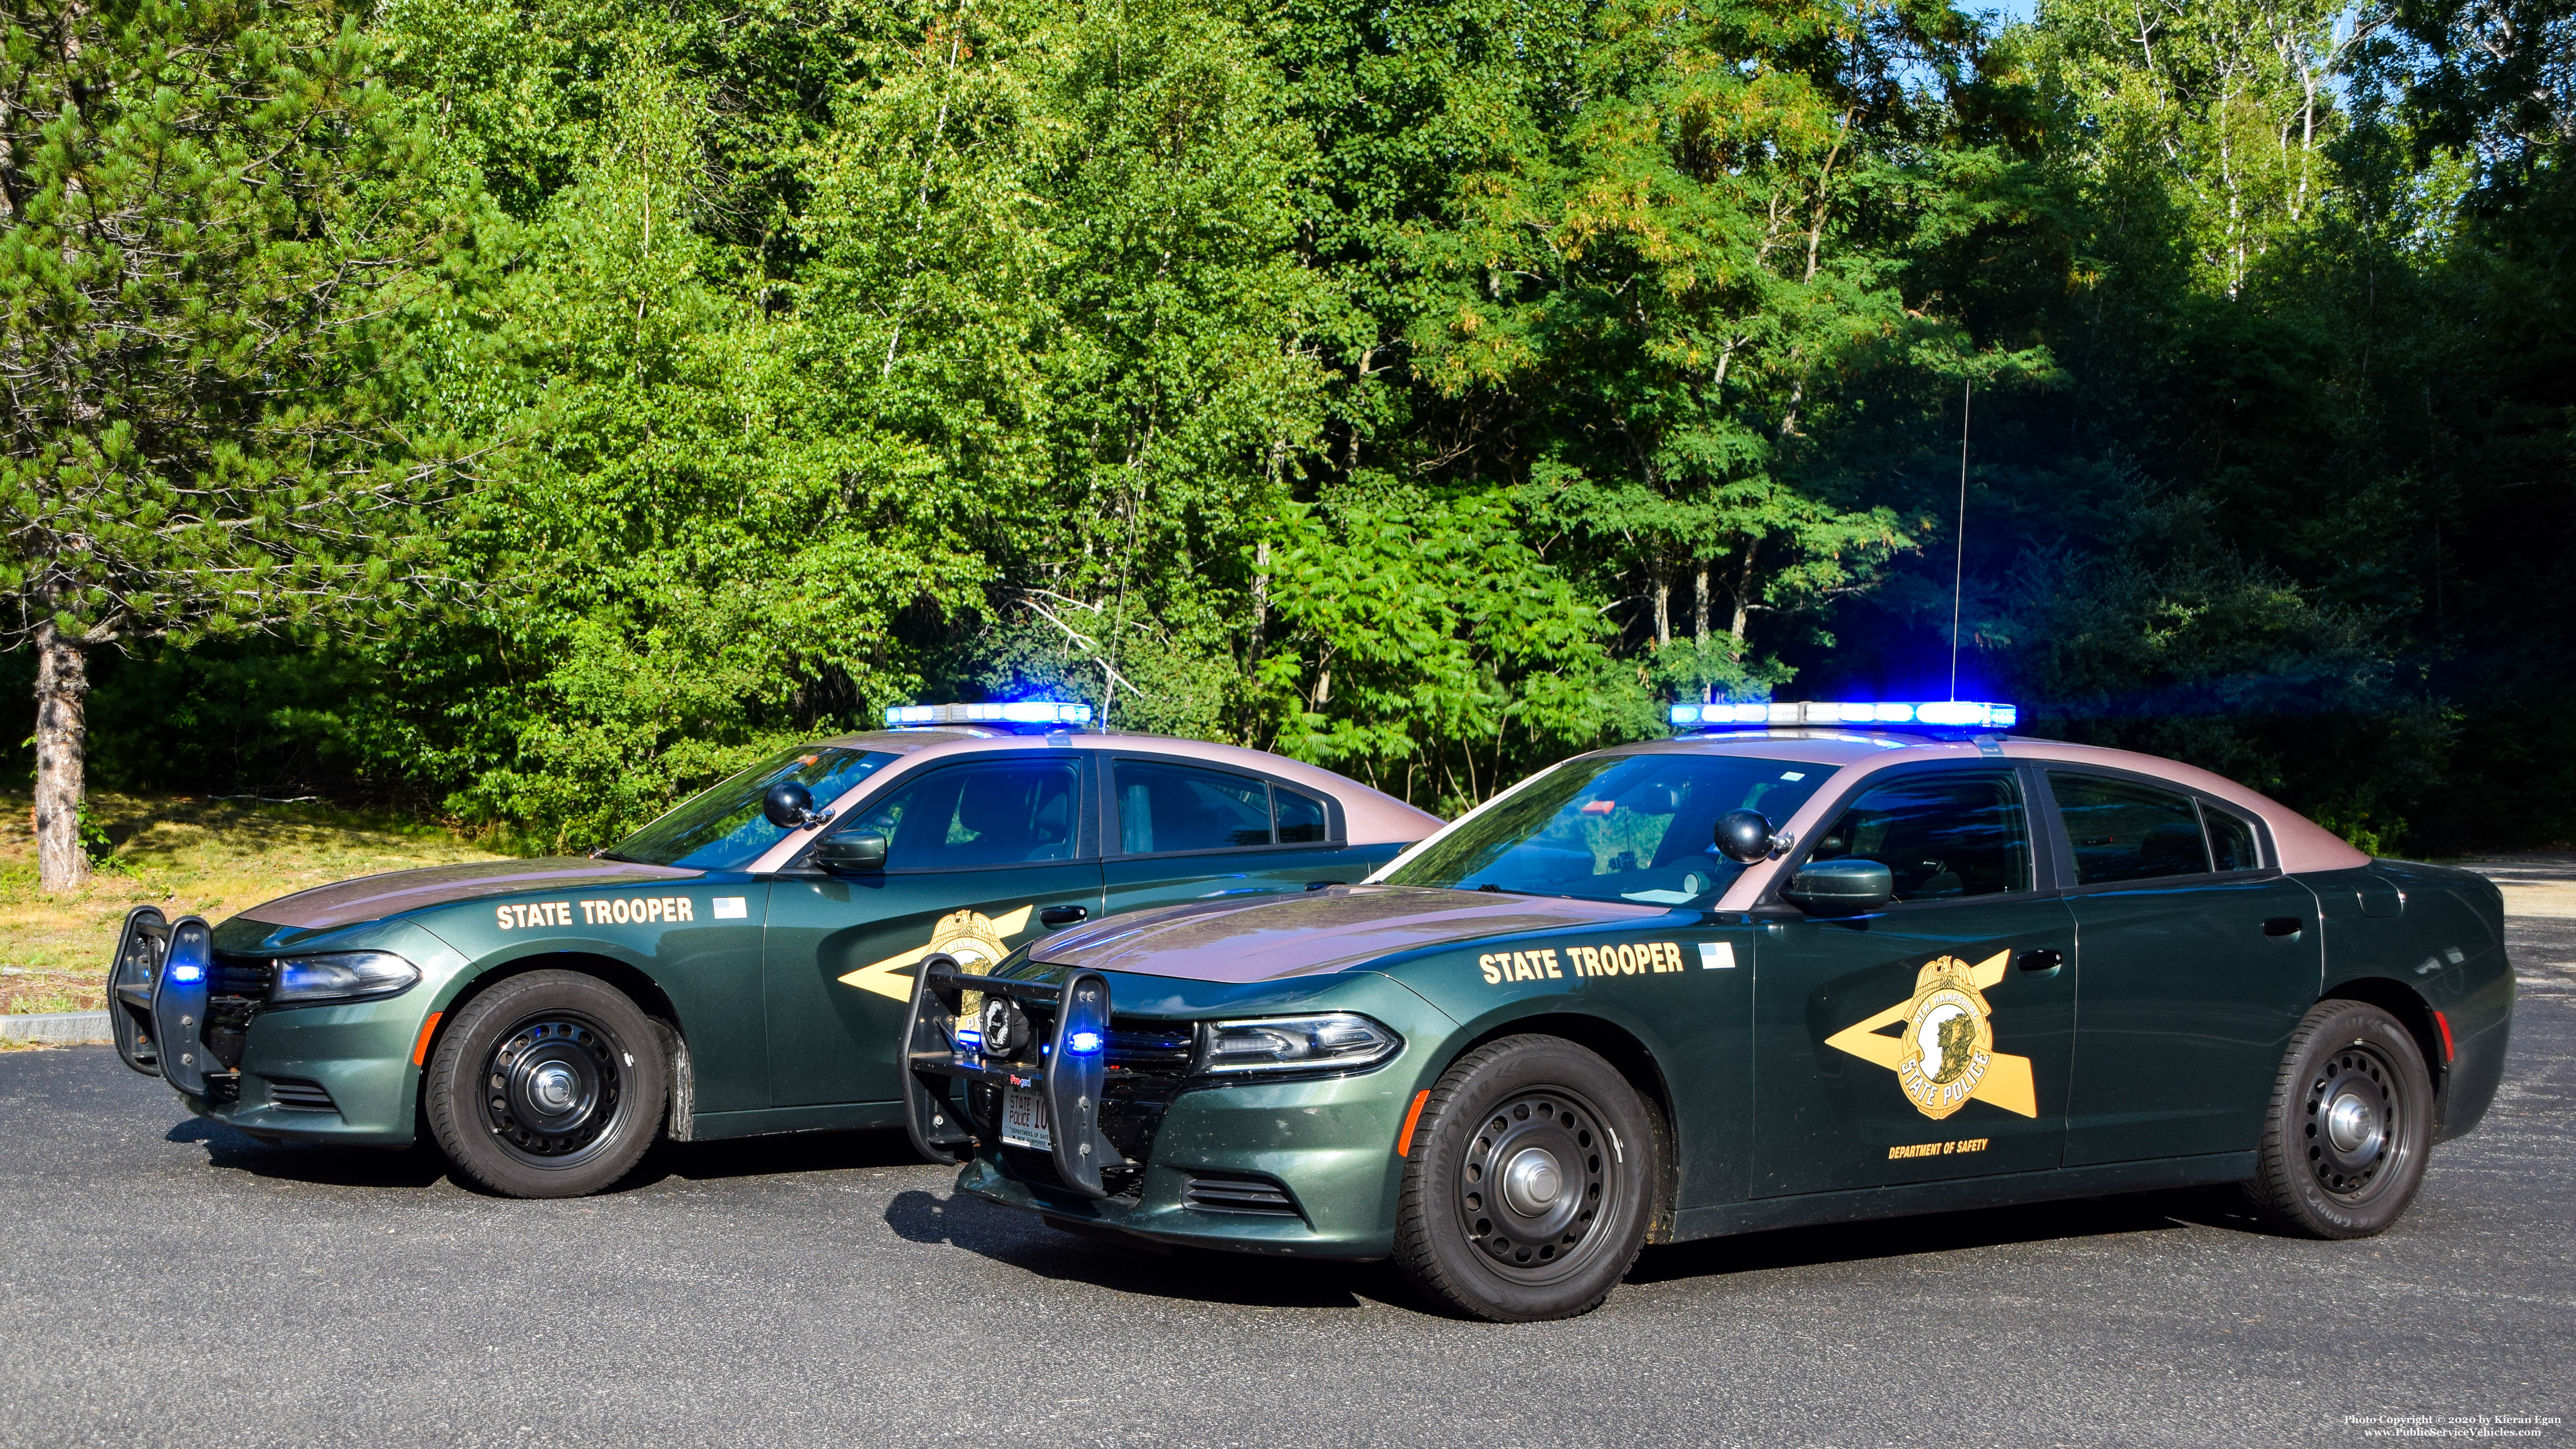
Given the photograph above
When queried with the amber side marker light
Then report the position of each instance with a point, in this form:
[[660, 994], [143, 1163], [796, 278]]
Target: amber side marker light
[[2448, 1051], [420, 1048], [1404, 1142]]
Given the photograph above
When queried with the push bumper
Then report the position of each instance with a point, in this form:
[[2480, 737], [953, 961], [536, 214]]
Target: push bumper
[[1302, 1168], [200, 1021]]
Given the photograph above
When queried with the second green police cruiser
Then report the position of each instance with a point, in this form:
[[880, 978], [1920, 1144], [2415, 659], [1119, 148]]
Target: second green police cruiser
[[1804, 963], [740, 966]]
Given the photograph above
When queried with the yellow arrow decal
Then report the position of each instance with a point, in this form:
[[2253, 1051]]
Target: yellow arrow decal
[[970, 936]]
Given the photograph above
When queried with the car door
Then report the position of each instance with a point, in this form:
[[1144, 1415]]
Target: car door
[[1180, 830], [2193, 975], [982, 855], [1930, 1039]]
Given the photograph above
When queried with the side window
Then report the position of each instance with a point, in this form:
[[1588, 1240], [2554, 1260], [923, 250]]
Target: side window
[[1301, 817], [1944, 836], [1007, 812], [1176, 807], [2125, 831], [2231, 840]]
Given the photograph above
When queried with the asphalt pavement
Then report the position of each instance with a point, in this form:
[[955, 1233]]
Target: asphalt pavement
[[164, 1281]]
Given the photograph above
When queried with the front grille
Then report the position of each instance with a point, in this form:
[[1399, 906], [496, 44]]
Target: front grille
[[244, 976], [1227, 1192], [237, 990], [295, 1094]]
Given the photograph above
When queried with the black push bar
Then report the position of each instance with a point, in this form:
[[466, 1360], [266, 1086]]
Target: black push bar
[[1071, 1065], [157, 990]]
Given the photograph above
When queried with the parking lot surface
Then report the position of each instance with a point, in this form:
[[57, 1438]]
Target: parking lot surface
[[163, 1281]]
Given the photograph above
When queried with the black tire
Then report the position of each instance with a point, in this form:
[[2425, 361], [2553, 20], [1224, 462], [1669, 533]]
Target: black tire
[[2350, 1128], [1462, 1232], [550, 1084]]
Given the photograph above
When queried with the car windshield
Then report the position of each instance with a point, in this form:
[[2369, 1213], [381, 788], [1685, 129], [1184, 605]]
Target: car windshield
[[721, 827], [1615, 828]]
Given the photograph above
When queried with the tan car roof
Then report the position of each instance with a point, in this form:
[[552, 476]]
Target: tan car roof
[[2300, 843], [1369, 817]]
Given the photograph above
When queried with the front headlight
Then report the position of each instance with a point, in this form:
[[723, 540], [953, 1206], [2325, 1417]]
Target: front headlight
[[341, 976], [1342, 1041]]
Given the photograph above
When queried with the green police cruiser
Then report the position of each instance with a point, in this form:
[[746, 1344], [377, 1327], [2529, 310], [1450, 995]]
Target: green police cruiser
[[1802, 963], [742, 965]]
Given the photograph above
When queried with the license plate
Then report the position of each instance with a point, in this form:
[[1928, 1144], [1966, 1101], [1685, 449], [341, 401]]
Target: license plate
[[1024, 1119]]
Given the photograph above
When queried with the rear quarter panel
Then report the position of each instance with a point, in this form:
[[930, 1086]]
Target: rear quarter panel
[[2445, 947]]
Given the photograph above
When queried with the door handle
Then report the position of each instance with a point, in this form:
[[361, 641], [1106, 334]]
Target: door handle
[[1063, 915], [2042, 962], [2282, 926]]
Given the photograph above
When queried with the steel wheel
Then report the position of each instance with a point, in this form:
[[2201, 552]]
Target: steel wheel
[[552, 1088], [1533, 1182], [2356, 1124]]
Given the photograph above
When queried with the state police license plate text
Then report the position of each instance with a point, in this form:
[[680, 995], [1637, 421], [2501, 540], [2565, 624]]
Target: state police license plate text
[[1024, 1119]]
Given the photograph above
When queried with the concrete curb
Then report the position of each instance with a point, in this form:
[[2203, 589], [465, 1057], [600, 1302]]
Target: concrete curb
[[60, 1027]]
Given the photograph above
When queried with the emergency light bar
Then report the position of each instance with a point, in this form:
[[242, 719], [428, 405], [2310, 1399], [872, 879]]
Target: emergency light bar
[[1939, 713], [1023, 712]]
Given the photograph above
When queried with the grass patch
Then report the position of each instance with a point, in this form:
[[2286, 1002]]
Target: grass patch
[[211, 858]]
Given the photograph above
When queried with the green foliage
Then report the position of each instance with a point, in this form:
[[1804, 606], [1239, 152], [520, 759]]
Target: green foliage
[[1425, 389], [223, 235]]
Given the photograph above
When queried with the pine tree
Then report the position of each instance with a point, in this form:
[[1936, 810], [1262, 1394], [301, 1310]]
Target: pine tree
[[221, 240]]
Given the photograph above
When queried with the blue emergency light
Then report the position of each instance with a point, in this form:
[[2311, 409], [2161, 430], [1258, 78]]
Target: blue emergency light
[[1936, 714], [1019, 712]]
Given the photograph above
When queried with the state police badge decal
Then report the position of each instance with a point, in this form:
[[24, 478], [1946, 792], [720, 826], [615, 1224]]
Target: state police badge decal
[[1945, 1056]]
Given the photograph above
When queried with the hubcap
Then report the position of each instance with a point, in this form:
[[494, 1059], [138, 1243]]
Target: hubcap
[[2352, 1126], [553, 1088], [1532, 1181], [2354, 1134], [1533, 1184]]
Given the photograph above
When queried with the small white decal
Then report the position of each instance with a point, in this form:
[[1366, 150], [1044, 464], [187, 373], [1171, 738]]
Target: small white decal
[[731, 908], [1717, 955]]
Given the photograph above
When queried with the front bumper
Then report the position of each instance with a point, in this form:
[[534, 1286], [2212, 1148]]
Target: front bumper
[[321, 1073], [326, 1074], [1303, 1166]]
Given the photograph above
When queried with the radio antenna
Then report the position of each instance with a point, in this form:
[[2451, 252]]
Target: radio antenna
[[1959, 559]]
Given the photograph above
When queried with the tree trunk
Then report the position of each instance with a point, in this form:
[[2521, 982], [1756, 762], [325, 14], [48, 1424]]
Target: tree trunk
[[1260, 604], [1663, 611], [1743, 597], [1699, 605], [62, 694]]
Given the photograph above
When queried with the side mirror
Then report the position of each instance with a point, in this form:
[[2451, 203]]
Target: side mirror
[[1841, 887], [788, 805], [852, 854], [1745, 836]]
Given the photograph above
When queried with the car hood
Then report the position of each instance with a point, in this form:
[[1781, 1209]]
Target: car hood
[[1264, 940], [373, 897]]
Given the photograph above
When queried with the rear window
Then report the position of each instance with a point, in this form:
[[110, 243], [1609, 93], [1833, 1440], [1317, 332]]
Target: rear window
[[1165, 807], [2122, 830]]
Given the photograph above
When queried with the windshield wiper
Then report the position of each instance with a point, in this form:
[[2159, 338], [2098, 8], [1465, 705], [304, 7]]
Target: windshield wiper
[[605, 854]]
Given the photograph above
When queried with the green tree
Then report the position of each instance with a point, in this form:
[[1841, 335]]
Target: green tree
[[223, 240]]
